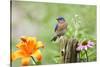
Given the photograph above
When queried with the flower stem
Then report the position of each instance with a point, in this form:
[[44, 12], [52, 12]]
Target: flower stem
[[33, 60], [86, 55], [76, 28]]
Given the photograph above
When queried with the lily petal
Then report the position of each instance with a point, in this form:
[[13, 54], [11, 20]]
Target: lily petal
[[16, 55], [20, 45], [31, 42], [25, 61], [37, 55], [39, 45]]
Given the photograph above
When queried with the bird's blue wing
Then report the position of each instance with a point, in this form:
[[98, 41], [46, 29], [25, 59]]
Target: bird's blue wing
[[56, 27]]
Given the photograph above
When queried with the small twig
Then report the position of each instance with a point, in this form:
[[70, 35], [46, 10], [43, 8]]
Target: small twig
[[86, 55], [34, 60]]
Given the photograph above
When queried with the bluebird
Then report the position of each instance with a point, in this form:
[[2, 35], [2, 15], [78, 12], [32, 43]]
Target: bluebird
[[60, 28]]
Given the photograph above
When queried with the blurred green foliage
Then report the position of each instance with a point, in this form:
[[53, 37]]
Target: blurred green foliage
[[39, 19]]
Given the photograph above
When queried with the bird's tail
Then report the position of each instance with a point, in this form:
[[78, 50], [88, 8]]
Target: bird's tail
[[54, 38]]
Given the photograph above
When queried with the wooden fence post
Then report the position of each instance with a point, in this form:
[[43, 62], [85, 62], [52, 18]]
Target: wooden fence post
[[68, 50]]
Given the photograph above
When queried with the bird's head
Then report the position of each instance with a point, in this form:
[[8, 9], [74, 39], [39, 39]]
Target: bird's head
[[60, 19]]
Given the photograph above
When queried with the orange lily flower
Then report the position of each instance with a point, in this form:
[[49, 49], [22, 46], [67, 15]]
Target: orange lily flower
[[28, 47]]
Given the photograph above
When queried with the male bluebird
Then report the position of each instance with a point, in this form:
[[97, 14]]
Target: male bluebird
[[60, 28]]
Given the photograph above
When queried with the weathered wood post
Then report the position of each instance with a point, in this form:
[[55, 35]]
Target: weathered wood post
[[62, 42], [68, 50]]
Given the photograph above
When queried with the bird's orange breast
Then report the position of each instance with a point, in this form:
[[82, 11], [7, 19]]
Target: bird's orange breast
[[61, 26]]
